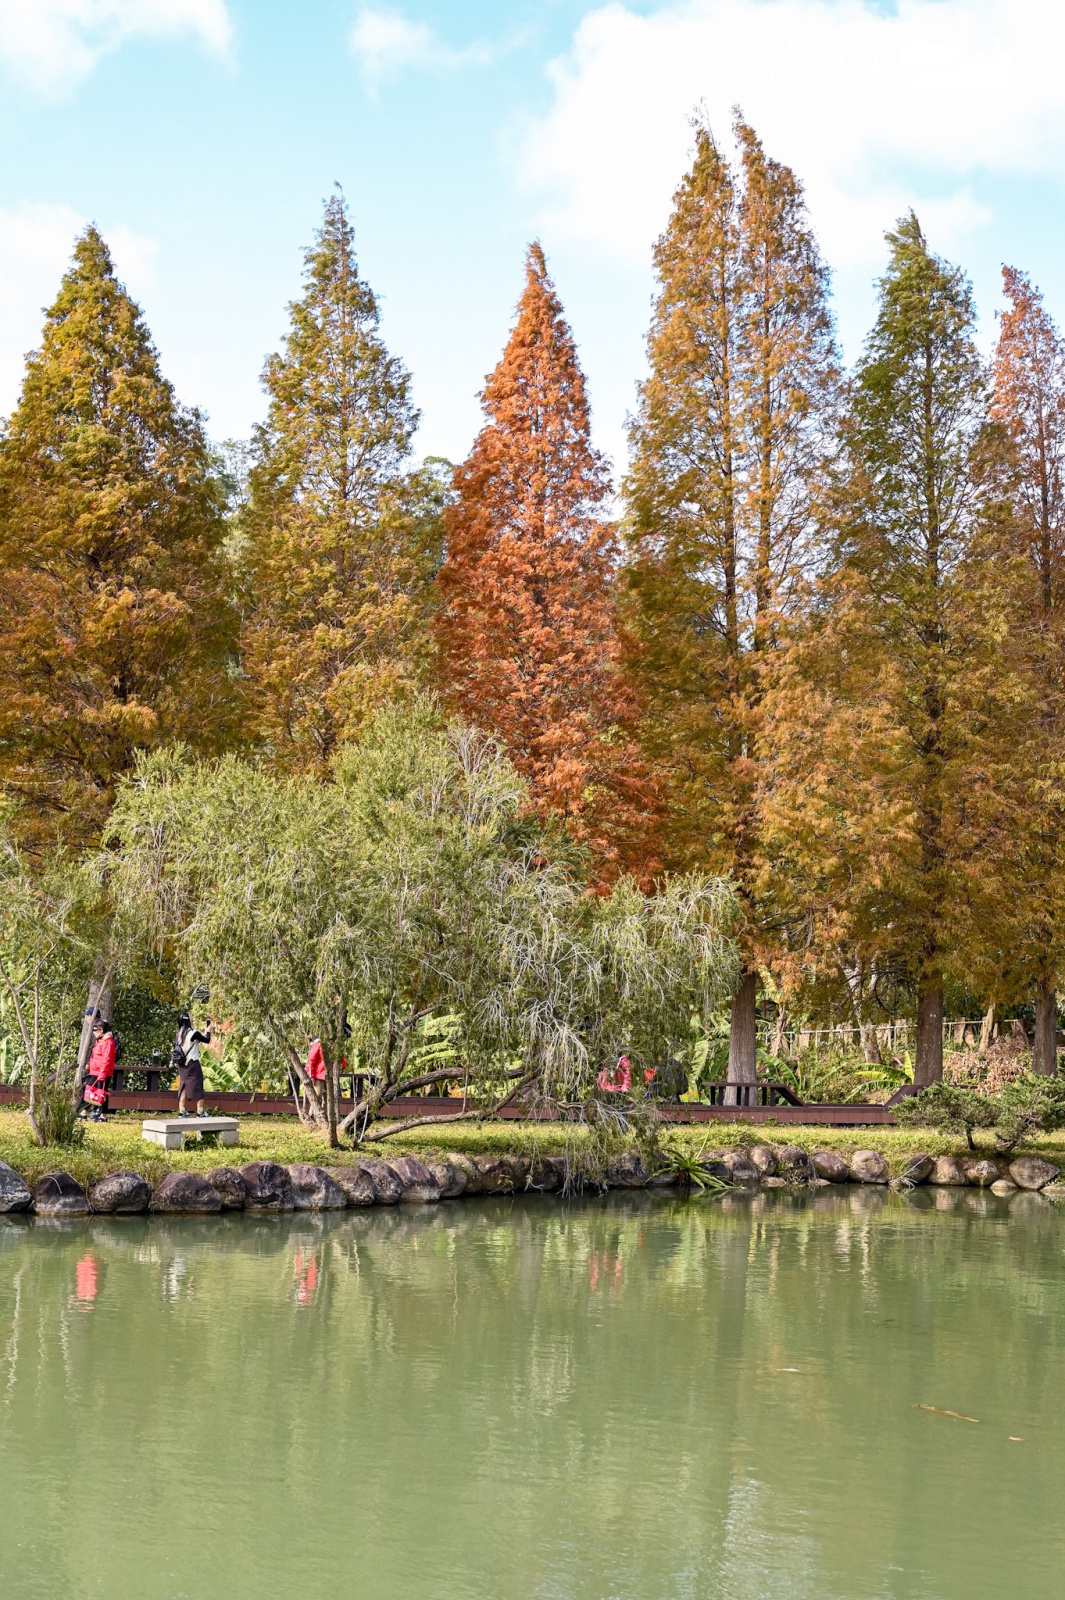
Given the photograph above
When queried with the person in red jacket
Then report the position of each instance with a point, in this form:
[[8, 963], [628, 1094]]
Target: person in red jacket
[[316, 1062], [621, 1082], [100, 1069]]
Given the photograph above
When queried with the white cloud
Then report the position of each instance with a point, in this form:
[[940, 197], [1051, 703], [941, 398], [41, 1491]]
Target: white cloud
[[51, 44], [35, 248], [876, 108], [384, 42]]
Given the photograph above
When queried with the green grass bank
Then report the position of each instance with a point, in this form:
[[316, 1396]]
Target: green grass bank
[[118, 1146]]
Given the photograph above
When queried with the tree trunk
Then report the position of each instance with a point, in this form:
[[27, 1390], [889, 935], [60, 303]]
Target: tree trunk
[[101, 986], [928, 1068], [1045, 1044], [742, 1044], [870, 1043], [987, 1027]]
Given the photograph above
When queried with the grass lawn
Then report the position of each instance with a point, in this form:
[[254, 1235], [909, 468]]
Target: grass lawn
[[118, 1145]]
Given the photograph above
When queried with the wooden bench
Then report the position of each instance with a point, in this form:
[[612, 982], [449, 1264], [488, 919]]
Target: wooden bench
[[171, 1132]]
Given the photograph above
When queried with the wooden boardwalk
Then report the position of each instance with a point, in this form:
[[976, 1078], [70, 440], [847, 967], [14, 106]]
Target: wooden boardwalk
[[246, 1105]]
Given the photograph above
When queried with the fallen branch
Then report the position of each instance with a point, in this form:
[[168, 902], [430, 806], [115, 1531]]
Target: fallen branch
[[383, 1130]]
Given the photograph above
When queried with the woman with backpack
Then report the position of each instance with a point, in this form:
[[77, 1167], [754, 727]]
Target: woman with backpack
[[186, 1058]]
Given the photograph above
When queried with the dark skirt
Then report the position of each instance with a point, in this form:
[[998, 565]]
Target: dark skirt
[[190, 1081]]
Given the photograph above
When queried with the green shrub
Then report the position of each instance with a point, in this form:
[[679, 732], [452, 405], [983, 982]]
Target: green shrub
[[1028, 1105], [952, 1110], [56, 1115]]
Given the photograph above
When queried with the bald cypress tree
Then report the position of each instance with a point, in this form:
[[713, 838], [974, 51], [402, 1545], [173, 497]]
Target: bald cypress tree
[[730, 450], [893, 792], [340, 537], [528, 629], [1028, 401], [115, 634]]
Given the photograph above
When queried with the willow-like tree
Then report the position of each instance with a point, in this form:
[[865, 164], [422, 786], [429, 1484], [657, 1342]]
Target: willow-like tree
[[729, 453], [340, 536], [527, 627], [115, 635], [1029, 402]]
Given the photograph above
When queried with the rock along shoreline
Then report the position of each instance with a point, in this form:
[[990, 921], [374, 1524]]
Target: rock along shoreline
[[265, 1186]]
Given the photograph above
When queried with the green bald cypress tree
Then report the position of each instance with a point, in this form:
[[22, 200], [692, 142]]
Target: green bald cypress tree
[[115, 633]]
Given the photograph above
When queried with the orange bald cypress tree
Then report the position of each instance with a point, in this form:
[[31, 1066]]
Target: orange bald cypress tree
[[527, 628], [731, 450]]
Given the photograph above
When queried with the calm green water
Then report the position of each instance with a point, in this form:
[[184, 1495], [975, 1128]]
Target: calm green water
[[508, 1398]]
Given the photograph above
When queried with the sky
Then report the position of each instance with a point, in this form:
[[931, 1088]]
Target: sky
[[203, 136]]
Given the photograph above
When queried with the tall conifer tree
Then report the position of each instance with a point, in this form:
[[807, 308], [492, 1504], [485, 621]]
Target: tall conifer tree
[[114, 630], [340, 538], [729, 455], [889, 727], [1029, 402], [527, 629]]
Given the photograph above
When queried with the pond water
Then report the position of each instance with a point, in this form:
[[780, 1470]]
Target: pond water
[[624, 1397]]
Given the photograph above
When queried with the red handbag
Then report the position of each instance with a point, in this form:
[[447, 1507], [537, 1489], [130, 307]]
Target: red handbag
[[95, 1094]]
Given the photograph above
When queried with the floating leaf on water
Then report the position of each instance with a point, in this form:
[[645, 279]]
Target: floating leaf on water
[[957, 1415]]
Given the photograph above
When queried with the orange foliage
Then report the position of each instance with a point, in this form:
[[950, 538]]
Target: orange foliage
[[527, 632]]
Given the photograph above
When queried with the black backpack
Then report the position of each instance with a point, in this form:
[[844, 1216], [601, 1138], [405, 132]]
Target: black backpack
[[118, 1046]]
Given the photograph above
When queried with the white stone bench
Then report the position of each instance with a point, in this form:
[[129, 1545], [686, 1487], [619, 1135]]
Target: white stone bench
[[171, 1132]]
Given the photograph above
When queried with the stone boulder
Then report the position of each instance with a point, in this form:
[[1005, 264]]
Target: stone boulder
[[269, 1187], [458, 1158], [829, 1164], [1003, 1187], [354, 1185], [764, 1157], [231, 1186], [918, 1169], [314, 1190], [794, 1164], [420, 1188], [15, 1192], [983, 1173], [713, 1164], [626, 1171], [496, 1175], [1032, 1172], [120, 1194], [387, 1189], [187, 1192], [740, 1168], [868, 1166], [57, 1194], [949, 1172], [450, 1178], [544, 1175], [519, 1167]]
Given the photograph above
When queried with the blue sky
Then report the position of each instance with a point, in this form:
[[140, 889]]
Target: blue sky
[[203, 135]]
